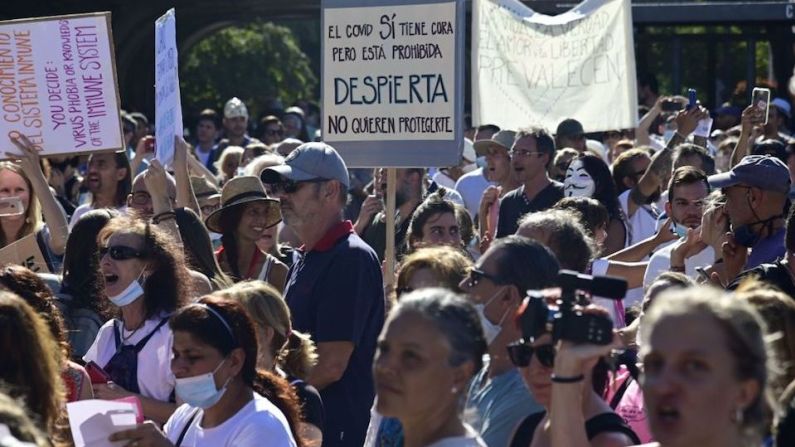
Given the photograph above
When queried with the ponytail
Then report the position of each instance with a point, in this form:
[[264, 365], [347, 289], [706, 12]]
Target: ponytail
[[282, 395], [298, 356]]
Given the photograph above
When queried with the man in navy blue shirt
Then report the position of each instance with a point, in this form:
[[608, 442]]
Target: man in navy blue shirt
[[335, 290]]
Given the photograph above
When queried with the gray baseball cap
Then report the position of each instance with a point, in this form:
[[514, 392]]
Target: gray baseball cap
[[503, 139], [309, 161], [759, 171]]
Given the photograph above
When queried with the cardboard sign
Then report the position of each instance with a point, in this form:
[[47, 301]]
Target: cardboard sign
[[25, 252], [58, 84], [392, 81], [533, 69], [168, 105], [93, 421]]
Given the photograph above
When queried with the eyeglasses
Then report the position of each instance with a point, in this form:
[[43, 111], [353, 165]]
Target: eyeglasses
[[120, 252], [290, 186], [524, 153], [476, 276], [274, 132], [521, 353]]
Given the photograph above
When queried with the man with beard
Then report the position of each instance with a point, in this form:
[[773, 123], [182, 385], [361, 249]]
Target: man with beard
[[408, 195], [335, 288], [686, 195], [108, 180], [637, 203]]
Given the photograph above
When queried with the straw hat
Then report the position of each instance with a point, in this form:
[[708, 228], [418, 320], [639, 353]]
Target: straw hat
[[204, 189], [240, 191]]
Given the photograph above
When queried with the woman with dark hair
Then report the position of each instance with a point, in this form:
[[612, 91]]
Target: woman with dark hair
[[589, 176], [282, 351], [215, 359], [29, 362], [434, 222], [80, 292], [246, 212], [28, 286], [199, 248], [147, 280]]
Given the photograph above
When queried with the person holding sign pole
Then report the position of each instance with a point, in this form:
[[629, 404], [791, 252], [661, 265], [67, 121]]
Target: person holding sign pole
[[23, 184]]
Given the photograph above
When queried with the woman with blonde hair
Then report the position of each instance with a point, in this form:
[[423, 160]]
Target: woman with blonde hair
[[29, 361], [283, 351]]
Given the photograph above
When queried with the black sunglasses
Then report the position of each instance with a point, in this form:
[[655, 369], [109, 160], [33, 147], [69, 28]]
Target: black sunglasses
[[120, 252], [290, 186], [521, 353], [476, 276]]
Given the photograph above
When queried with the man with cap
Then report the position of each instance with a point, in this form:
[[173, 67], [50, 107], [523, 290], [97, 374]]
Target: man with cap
[[756, 192], [498, 170], [335, 288], [571, 134], [235, 125]]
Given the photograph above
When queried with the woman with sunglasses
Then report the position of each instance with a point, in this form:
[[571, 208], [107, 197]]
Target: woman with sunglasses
[[568, 381], [214, 360], [246, 213], [146, 280]]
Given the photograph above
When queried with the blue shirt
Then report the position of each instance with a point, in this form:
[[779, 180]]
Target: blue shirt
[[335, 293], [501, 404], [767, 250]]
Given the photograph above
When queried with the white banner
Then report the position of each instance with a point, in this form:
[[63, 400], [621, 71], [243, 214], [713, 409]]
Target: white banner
[[168, 105], [58, 84], [533, 69]]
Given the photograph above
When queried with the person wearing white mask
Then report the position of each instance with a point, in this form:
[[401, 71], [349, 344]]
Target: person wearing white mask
[[497, 286], [214, 361], [146, 280]]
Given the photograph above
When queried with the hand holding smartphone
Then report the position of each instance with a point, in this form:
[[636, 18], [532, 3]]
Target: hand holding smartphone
[[760, 99], [11, 206], [96, 373]]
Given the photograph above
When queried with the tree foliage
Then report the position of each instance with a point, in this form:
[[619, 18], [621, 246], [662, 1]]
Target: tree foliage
[[257, 62]]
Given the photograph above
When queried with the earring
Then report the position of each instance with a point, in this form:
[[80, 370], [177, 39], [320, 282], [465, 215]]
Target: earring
[[738, 415], [454, 390]]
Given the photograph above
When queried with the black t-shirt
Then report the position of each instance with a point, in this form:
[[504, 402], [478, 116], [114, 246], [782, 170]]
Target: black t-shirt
[[601, 423], [311, 403], [776, 274], [515, 204], [335, 293]]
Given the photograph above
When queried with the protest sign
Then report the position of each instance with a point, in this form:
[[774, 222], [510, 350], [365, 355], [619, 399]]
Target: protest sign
[[25, 252], [533, 69], [93, 421], [392, 81], [168, 106], [58, 84]]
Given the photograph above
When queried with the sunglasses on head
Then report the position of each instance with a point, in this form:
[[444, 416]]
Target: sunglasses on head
[[291, 186], [120, 252], [521, 353]]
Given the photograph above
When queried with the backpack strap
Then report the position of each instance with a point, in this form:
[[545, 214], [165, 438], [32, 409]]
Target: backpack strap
[[140, 345], [186, 427], [620, 392]]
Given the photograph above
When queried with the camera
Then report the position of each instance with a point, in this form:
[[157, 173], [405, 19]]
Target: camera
[[535, 317]]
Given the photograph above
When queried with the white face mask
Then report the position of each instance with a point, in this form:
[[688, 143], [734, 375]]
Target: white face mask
[[199, 391], [131, 293], [578, 182], [490, 330]]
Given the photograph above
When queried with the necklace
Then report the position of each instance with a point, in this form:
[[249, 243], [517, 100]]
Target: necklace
[[124, 338]]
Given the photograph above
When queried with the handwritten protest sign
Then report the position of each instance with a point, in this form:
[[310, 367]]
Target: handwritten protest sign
[[58, 84], [168, 106], [25, 252], [392, 81], [528, 68]]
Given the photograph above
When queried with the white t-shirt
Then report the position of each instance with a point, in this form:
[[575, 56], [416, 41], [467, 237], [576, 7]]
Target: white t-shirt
[[84, 208], [155, 379], [471, 439], [661, 262], [471, 187], [258, 423], [642, 224]]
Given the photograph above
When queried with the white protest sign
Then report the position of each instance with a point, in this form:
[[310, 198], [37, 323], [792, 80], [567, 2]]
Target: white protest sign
[[58, 84], [533, 69], [392, 81], [93, 421], [168, 105]]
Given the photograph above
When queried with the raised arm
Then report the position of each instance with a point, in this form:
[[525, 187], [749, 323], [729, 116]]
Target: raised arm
[[185, 196], [53, 213], [751, 115]]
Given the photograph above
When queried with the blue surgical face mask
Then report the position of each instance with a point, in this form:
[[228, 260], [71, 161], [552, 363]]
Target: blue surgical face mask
[[131, 293], [199, 391], [679, 230]]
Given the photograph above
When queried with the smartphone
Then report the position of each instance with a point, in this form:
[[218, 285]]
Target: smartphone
[[150, 145], [691, 98], [672, 106], [11, 206], [702, 274], [760, 98], [96, 373]]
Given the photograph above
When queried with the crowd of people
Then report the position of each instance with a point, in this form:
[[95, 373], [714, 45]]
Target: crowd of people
[[238, 295]]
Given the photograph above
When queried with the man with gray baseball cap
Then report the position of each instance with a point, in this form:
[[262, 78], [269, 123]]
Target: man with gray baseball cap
[[756, 192], [334, 290]]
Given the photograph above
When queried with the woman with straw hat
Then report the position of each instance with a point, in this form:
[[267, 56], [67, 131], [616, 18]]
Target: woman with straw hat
[[246, 212]]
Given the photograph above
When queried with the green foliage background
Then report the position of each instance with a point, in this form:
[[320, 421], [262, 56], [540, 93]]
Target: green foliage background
[[256, 62]]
